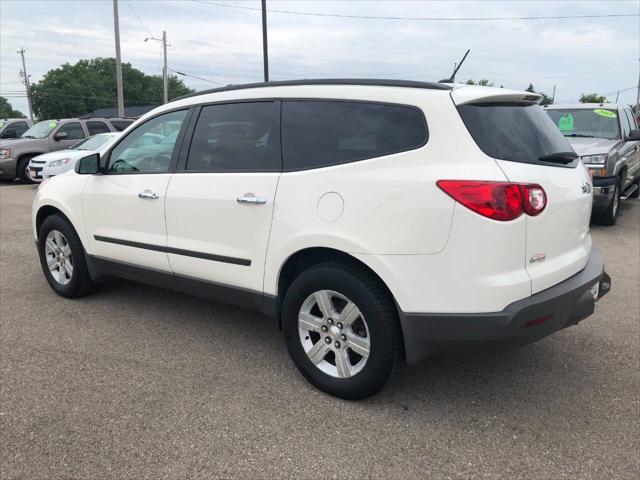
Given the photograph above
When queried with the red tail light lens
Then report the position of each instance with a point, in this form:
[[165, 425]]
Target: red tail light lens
[[496, 200]]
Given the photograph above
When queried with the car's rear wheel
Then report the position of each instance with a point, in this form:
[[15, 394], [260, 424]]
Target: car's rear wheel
[[62, 258], [341, 330]]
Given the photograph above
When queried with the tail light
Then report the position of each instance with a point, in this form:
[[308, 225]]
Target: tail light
[[502, 201]]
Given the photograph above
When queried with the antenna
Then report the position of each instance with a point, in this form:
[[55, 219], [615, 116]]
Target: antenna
[[455, 69]]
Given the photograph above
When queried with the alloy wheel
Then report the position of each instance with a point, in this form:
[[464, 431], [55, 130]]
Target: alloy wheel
[[59, 258]]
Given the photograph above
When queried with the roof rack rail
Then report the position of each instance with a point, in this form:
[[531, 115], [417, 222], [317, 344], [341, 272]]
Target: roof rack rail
[[325, 81]]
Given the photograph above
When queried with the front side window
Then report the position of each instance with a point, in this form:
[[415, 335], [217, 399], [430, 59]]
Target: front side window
[[235, 137], [73, 130], [97, 127], [150, 147], [318, 133], [587, 122]]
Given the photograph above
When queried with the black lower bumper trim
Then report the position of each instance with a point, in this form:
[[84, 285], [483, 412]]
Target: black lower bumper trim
[[522, 322]]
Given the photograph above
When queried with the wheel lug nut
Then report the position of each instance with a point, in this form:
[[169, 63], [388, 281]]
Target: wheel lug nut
[[339, 325], [343, 337], [337, 344], [330, 321], [327, 340], [324, 328]]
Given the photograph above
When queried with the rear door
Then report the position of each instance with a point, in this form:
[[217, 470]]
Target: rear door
[[518, 135], [220, 205]]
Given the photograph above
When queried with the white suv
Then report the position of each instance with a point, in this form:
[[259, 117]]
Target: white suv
[[380, 221]]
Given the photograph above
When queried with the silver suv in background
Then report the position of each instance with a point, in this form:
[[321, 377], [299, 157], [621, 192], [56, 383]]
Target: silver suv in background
[[49, 136], [607, 139], [14, 127]]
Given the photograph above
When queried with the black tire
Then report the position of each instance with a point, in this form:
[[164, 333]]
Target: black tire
[[636, 194], [21, 170], [609, 216], [376, 306], [80, 283]]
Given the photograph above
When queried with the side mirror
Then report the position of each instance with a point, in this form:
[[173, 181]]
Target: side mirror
[[634, 135], [89, 165], [60, 136], [9, 133]]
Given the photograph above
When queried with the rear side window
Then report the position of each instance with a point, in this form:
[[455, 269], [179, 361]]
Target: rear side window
[[236, 137], [517, 132], [319, 133], [97, 127], [120, 125]]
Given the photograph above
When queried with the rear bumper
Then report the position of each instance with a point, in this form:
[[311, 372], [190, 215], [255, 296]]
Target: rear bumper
[[603, 188], [522, 322]]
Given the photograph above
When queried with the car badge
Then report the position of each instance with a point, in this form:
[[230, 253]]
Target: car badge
[[586, 187]]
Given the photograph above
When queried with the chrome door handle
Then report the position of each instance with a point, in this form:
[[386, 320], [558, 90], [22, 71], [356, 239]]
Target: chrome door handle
[[149, 194], [252, 199]]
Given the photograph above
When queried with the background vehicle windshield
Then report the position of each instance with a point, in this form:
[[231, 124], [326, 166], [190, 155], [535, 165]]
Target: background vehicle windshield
[[40, 130], [93, 143], [587, 122]]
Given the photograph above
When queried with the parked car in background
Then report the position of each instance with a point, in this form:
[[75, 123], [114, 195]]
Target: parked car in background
[[11, 128], [55, 163], [48, 136], [607, 139], [380, 221]]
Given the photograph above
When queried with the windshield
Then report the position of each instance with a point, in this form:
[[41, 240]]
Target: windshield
[[515, 132], [586, 122], [40, 130], [93, 143]]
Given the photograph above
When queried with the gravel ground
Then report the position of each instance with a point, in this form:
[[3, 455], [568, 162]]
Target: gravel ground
[[137, 382]]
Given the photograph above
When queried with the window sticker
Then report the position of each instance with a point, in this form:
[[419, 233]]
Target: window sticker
[[604, 113], [1, 124], [565, 123], [52, 124]]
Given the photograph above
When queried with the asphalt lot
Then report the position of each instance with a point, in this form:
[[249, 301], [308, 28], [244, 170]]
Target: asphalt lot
[[138, 382]]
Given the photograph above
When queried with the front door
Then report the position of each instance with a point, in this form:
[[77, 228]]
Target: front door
[[124, 207], [73, 133], [220, 205]]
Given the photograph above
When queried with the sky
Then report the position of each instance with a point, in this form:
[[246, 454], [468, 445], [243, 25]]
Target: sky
[[221, 41]]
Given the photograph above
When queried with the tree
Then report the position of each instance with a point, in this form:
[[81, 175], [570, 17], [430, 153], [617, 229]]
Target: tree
[[482, 83], [73, 90], [530, 88], [546, 99], [592, 98], [7, 111]]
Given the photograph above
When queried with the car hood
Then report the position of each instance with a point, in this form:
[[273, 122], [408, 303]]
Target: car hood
[[591, 146], [59, 154]]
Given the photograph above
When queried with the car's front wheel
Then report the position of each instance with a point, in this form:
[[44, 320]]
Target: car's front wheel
[[23, 170], [341, 330], [62, 258]]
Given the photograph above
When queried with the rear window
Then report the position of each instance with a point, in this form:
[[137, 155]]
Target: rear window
[[319, 133], [516, 132]]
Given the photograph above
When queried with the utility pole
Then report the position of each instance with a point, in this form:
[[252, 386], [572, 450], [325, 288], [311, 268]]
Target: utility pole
[[27, 85], [165, 73], [638, 96], [265, 50], [116, 28], [553, 97]]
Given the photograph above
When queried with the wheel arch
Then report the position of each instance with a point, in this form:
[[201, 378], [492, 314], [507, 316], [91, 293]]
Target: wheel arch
[[48, 209]]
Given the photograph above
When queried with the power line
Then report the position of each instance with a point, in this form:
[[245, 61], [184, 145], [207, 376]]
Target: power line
[[431, 19], [139, 19], [195, 76]]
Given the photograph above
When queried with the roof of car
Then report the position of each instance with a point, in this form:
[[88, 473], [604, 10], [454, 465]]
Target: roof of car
[[587, 106], [327, 81]]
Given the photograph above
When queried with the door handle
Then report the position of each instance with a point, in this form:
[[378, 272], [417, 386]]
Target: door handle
[[252, 199], [148, 194]]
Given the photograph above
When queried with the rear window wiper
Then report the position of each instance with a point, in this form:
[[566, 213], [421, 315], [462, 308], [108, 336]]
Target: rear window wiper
[[559, 157], [579, 135]]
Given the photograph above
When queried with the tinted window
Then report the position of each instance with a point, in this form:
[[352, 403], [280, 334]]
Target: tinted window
[[516, 132], [20, 127], [321, 133], [97, 127], [149, 147], [235, 137], [73, 130], [632, 121], [120, 125], [586, 122]]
